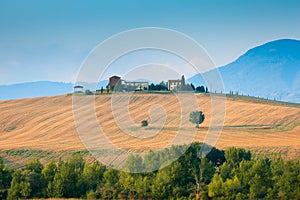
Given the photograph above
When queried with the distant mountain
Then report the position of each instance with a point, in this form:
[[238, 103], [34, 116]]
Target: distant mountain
[[271, 70], [34, 89], [42, 88]]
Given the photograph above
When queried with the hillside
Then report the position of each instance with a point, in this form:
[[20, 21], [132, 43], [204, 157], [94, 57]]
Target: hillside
[[46, 125], [271, 70]]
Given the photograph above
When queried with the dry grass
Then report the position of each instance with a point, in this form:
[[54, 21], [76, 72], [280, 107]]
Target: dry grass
[[47, 124]]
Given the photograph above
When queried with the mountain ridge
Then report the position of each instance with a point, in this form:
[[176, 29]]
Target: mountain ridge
[[271, 70]]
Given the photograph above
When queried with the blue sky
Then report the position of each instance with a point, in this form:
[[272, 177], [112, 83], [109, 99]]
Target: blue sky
[[48, 40]]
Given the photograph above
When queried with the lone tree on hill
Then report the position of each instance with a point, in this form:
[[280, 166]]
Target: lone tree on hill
[[144, 123], [197, 117]]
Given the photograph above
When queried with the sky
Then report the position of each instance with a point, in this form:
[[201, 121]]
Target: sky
[[50, 39]]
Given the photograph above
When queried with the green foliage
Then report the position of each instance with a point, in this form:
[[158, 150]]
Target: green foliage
[[111, 187], [215, 188], [9, 129], [200, 89], [286, 177], [235, 155], [134, 164], [180, 172], [5, 179], [158, 87], [33, 174], [197, 117], [92, 176], [66, 181], [261, 178], [20, 186], [144, 123]]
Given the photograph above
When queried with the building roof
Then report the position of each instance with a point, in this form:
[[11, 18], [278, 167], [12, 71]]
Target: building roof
[[178, 80], [114, 77], [78, 86]]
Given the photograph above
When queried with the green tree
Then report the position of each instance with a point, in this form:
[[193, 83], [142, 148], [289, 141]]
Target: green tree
[[200, 89], [5, 179], [232, 187], [20, 187], [49, 171], [66, 180], [161, 185], [144, 123], [197, 117], [203, 176], [92, 176], [133, 164], [111, 187], [287, 180], [261, 178], [143, 186], [33, 173], [48, 174], [235, 155], [34, 165], [215, 188]]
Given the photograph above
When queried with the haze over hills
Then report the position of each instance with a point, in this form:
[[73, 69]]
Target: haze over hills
[[41, 88], [34, 89], [271, 70]]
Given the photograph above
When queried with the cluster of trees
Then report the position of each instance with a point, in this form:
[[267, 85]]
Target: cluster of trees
[[201, 89], [162, 86], [232, 174], [186, 87], [241, 177]]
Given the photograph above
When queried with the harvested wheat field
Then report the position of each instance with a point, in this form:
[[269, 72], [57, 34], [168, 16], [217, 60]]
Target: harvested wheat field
[[46, 125]]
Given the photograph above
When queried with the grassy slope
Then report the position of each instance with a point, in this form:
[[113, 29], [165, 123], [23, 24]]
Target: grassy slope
[[47, 124]]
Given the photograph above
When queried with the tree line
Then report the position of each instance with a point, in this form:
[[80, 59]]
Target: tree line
[[229, 174], [162, 86]]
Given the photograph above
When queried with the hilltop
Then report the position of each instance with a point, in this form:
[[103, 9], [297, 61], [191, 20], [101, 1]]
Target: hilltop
[[46, 125]]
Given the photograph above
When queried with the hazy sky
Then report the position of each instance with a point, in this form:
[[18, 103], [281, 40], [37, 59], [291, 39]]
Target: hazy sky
[[48, 40]]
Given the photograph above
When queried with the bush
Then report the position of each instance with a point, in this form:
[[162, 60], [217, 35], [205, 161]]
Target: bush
[[197, 117], [144, 123]]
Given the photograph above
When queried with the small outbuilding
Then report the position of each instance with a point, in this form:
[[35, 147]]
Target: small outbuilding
[[78, 89]]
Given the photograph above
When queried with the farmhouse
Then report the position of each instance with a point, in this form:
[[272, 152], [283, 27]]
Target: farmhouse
[[113, 81], [124, 85], [138, 85], [176, 84]]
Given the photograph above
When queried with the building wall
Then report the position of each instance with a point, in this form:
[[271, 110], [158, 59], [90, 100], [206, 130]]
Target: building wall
[[113, 81], [174, 84], [138, 85]]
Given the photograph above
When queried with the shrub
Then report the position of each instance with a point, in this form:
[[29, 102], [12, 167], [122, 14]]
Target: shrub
[[144, 123]]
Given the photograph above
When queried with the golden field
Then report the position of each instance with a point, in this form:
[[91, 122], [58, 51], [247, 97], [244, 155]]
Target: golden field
[[47, 124]]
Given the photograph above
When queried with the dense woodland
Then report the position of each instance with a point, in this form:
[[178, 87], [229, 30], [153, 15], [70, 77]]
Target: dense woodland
[[230, 174]]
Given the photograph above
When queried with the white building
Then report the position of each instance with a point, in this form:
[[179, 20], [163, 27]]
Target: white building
[[135, 84], [176, 84]]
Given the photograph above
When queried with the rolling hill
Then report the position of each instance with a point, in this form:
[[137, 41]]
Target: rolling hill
[[46, 125], [271, 70]]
